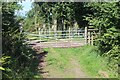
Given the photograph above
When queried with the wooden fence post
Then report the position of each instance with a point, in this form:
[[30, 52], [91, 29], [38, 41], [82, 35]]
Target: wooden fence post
[[39, 31], [89, 38], [69, 34], [92, 39], [85, 35]]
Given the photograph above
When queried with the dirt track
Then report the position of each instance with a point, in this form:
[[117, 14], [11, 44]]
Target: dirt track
[[74, 71], [59, 44]]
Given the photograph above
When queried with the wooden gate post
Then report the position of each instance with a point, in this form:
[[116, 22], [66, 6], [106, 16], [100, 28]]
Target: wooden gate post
[[85, 35], [92, 40], [69, 34], [39, 31], [89, 39]]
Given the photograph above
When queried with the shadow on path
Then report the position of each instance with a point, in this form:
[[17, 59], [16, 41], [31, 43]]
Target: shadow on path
[[41, 59]]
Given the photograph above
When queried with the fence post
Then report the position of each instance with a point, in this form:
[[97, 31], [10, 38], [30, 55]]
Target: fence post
[[85, 35], [89, 37], [39, 33], [69, 33], [92, 39]]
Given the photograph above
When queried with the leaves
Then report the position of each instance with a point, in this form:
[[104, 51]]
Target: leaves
[[16, 56], [1, 68], [106, 17], [66, 13]]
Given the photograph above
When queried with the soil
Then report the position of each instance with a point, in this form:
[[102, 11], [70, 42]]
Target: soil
[[60, 44]]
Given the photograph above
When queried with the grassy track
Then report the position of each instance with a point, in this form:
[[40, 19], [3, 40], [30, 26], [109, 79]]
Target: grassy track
[[60, 62], [76, 62]]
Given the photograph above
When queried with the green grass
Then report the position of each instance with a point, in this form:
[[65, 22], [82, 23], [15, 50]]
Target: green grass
[[87, 57]]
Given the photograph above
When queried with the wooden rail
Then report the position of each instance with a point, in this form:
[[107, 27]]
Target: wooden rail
[[90, 35]]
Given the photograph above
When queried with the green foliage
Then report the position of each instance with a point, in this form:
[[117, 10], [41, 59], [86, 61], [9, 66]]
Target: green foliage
[[109, 39], [66, 14], [33, 19], [106, 17], [17, 58]]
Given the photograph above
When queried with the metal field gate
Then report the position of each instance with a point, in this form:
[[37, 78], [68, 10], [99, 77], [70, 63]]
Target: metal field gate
[[66, 35], [66, 38]]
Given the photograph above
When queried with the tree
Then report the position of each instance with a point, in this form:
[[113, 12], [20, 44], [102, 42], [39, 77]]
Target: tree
[[16, 56], [65, 13]]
